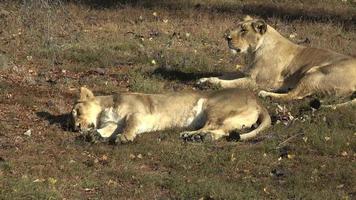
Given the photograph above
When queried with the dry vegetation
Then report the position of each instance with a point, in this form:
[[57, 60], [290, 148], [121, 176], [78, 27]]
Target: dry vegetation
[[50, 48]]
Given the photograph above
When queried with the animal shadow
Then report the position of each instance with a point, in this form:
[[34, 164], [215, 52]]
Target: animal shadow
[[65, 121], [173, 74]]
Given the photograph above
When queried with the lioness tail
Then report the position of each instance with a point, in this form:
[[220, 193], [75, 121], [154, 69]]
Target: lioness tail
[[265, 122]]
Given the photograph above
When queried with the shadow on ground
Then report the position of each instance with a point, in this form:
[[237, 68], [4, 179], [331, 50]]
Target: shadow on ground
[[173, 74], [63, 120], [301, 13], [285, 12]]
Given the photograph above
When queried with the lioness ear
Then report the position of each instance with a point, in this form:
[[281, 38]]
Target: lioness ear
[[85, 94], [247, 18], [260, 26]]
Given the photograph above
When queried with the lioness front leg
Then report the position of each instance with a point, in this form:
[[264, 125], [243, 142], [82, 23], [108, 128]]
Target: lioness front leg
[[245, 82], [130, 131], [103, 134]]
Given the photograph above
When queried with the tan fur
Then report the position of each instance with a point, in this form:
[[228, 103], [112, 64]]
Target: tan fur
[[213, 115], [278, 65]]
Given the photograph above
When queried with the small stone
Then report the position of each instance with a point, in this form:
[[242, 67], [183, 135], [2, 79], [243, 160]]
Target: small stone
[[340, 186], [104, 158], [131, 156], [291, 156], [30, 80], [293, 35], [28, 133], [111, 182], [277, 172], [3, 62], [265, 190], [100, 71], [139, 156], [327, 138], [238, 67], [344, 153]]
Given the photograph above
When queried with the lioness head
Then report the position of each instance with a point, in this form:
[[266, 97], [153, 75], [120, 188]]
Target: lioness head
[[85, 111], [246, 35]]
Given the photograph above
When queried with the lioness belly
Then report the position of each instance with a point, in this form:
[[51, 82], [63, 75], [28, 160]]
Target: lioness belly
[[187, 117]]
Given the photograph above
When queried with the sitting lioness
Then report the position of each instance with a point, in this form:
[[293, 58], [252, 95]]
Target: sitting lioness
[[284, 70], [209, 115]]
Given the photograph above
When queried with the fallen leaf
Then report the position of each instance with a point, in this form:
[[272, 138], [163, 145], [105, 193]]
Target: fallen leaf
[[39, 180], [305, 139], [232, 159], [265, 190], [52, 180]]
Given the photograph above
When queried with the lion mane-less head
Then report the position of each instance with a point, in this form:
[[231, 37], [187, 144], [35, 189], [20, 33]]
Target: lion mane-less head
[[246, 35], [85, 111]]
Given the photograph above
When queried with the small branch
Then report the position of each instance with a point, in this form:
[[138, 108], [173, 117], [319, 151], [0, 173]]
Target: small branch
[[288, 139]]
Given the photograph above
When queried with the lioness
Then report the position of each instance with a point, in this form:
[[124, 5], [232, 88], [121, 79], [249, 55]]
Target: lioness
[[285, 70], [209, 115]]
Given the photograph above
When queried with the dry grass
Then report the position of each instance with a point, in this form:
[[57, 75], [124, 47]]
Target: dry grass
[[53, 47]]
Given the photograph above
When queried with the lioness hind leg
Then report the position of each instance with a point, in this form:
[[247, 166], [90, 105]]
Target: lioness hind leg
[[336, 106]]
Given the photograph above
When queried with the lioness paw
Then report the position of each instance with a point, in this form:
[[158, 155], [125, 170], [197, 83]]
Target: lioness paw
[[94, 136], [211, 80], [121, 139], [202, 80], [263, 94], [195, 136]]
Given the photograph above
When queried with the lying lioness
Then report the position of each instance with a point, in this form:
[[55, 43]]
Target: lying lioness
[[204, 115], [284, 70]]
